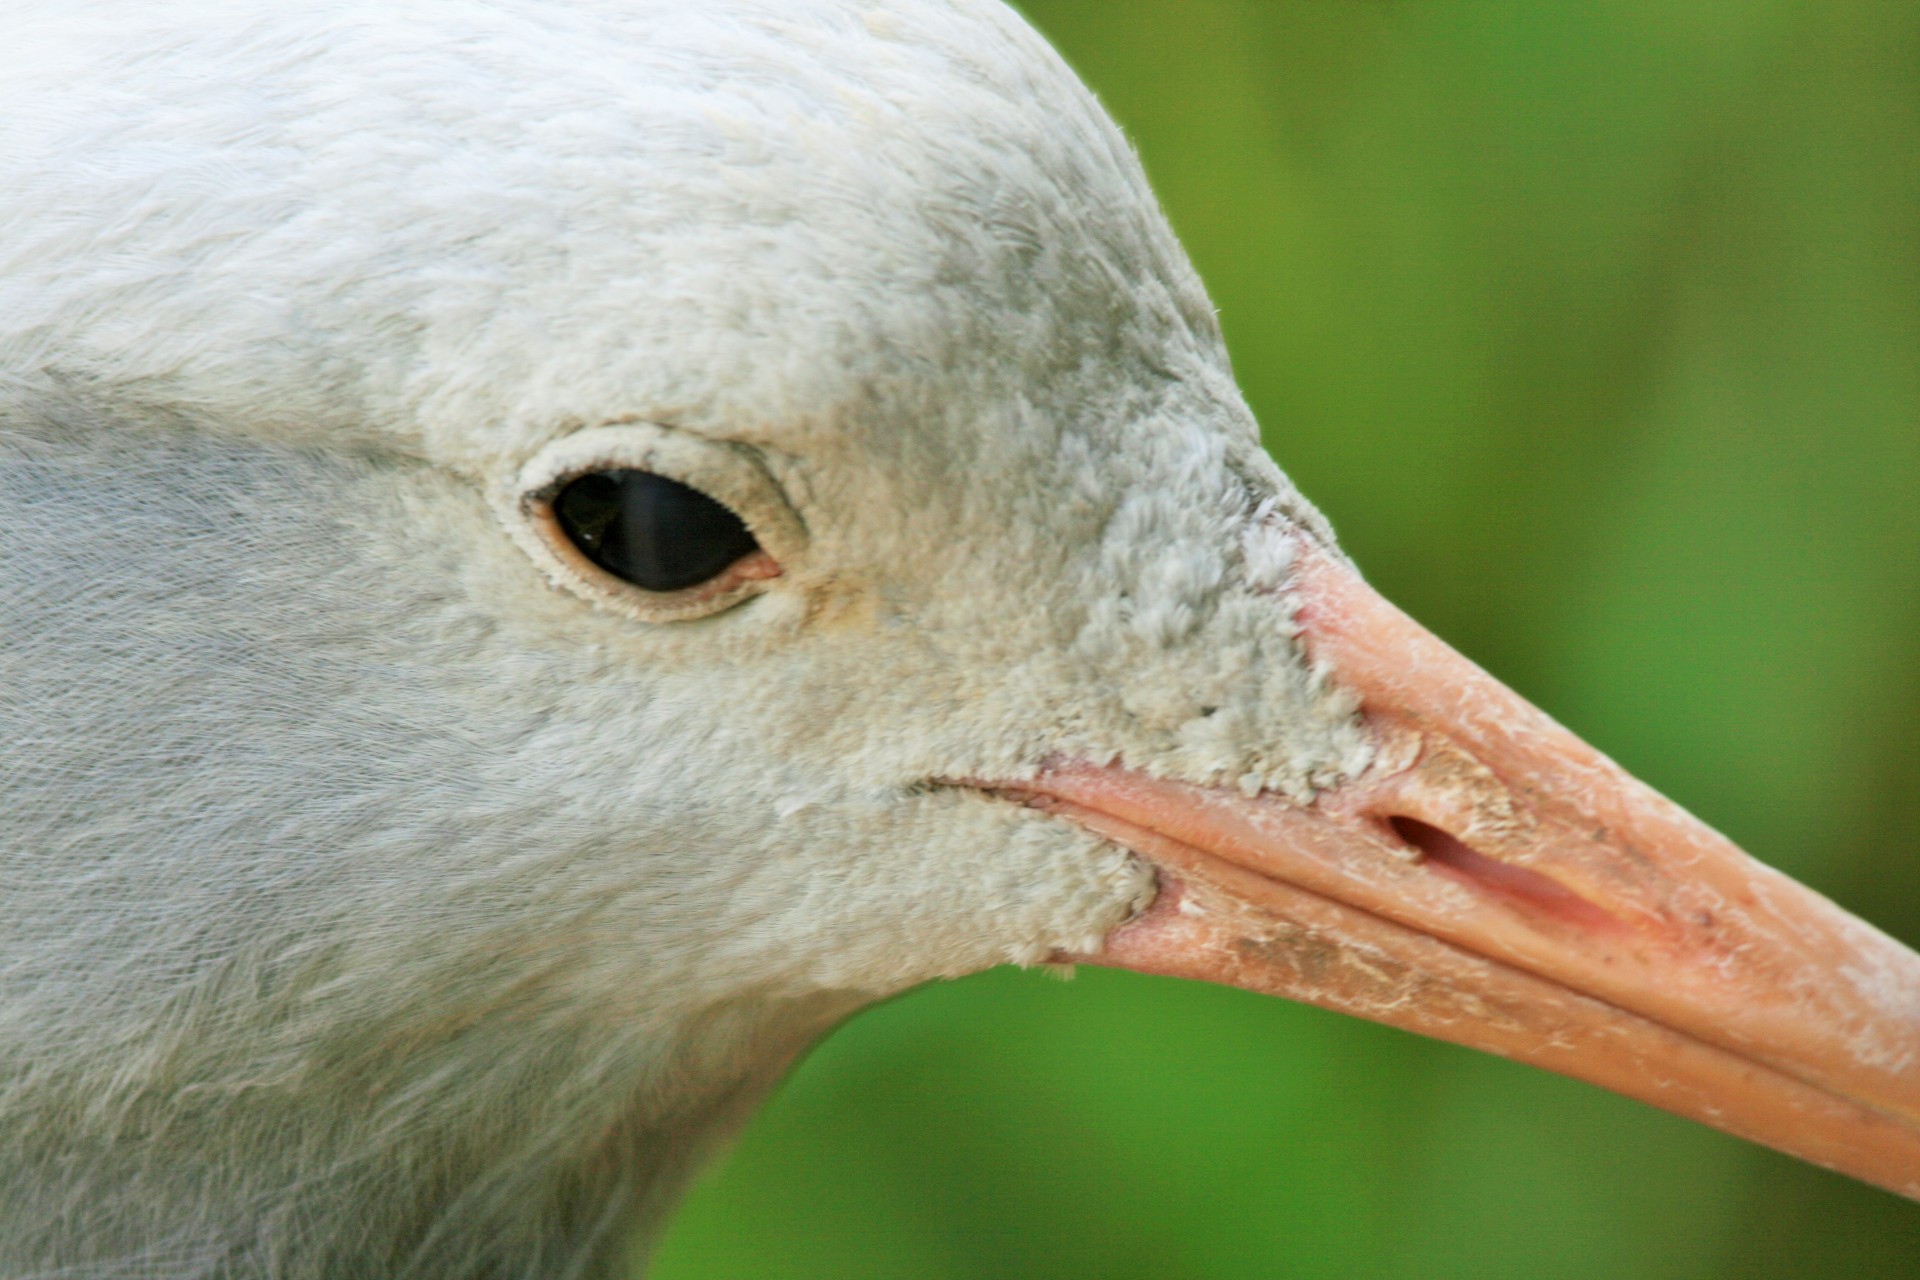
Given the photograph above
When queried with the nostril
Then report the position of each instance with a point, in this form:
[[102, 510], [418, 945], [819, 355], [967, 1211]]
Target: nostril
[[1430, 840], [1520, 886]]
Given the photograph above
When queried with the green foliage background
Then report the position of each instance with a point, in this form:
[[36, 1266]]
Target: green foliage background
[[1595, 327]]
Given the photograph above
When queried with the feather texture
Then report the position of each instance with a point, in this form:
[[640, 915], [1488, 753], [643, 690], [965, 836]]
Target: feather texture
[[375, 908]]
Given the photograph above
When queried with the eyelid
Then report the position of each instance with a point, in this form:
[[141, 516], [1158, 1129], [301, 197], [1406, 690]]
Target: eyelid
[[730, 474]]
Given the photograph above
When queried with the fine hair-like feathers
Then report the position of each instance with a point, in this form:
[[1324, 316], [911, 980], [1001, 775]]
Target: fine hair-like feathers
[[377, 902]]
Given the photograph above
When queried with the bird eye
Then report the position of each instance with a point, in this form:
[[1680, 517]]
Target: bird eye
[[654, 532], [652, 521]]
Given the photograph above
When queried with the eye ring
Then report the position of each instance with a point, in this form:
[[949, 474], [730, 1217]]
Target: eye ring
[[700, 473]]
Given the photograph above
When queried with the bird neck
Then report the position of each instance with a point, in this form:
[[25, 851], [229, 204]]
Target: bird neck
[[310, 971], [557, 1178]]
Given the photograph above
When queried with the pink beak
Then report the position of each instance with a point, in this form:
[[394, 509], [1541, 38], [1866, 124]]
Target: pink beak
[[1494, 881]]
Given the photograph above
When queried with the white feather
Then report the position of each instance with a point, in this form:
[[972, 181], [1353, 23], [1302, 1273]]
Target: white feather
[[374, 908]]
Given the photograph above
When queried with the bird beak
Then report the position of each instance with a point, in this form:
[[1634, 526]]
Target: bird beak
[[1492, 880]]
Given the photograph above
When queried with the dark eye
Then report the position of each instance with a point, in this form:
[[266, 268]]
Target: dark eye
[[654, 532]]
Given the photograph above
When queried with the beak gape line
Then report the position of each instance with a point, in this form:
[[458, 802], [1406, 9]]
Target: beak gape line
[[1493, 881]]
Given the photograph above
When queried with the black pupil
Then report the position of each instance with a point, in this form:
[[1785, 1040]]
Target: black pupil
[[654, 532]]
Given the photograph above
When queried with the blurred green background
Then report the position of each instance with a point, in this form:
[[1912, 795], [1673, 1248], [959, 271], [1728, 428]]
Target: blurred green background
[[1595, 328]]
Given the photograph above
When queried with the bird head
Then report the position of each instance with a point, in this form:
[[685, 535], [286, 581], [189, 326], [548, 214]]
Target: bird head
[[557, 550]]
